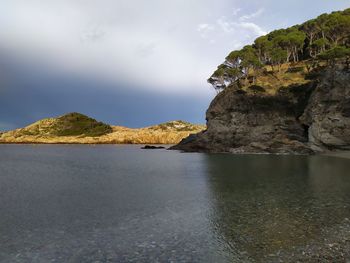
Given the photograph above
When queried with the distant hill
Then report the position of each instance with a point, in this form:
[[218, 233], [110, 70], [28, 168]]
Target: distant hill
[[81, 129], [176, 126], [71, 124]]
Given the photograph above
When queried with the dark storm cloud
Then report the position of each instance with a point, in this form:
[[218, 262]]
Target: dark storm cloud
[[33, 93]]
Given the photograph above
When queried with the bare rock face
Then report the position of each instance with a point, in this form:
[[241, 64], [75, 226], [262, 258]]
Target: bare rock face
[[298, 119], [328, 112]]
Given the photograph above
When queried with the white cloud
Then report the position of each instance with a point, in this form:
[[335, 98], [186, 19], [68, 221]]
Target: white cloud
[[205, 29], [119, 40], [92, 34], [225, 25], [254, 28], [228, 26], [236, 11], [252, 15], [157, 44], [146, 49], [170, 46]]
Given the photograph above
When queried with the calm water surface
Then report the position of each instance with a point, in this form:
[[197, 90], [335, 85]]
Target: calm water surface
[[123, 204]]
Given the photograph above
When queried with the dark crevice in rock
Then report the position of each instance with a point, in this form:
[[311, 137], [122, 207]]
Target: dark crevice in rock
[[306, 131], [345, 109]]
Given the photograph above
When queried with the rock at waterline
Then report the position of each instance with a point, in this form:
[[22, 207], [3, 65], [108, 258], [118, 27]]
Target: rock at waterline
[[151, 147]]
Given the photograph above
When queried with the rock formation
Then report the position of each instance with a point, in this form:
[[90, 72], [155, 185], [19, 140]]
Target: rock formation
[[288, 92], [311, 114]]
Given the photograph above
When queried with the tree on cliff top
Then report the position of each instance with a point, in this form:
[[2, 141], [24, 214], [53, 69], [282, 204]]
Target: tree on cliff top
[[335, 53], [313, 39]]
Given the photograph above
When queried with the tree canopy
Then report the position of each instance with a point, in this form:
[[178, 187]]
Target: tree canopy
[[334, 53], [326, 37]]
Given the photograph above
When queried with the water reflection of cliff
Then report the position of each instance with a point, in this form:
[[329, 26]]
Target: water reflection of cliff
[[266, 206]]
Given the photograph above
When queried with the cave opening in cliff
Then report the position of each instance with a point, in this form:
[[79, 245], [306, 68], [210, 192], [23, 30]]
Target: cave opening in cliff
[[306, 131]]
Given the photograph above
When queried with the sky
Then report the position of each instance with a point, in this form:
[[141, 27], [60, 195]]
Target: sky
[[127, 62]]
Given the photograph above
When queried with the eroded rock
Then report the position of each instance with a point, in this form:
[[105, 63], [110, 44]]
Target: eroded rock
[[302, 118]]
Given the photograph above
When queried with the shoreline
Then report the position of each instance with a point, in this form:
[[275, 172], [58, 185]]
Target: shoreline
[[340, 154], [78, 143]]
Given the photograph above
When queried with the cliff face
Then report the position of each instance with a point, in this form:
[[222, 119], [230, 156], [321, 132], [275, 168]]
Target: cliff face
[[328, 112], [308, 116]]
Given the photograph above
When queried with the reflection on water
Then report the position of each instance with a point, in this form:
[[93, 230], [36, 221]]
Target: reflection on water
[[123, 204], [274, 207]]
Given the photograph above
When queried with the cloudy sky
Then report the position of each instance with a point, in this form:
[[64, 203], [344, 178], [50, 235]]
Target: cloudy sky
[[127, 62]]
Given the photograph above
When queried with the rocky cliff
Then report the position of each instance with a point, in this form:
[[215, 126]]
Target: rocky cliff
[[294, 111]]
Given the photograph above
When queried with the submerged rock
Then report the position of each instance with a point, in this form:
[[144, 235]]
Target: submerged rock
[[151, 147]]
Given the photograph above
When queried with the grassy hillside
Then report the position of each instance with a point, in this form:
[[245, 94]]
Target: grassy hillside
[[71, 124], [177, 126], [75, 128], [270, 81]]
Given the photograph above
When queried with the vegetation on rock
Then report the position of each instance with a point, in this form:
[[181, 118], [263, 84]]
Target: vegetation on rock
[[77, 128], [287, 93], [177, 126], [72, 124], [325, 38]]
